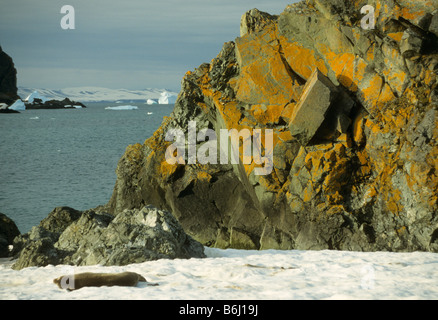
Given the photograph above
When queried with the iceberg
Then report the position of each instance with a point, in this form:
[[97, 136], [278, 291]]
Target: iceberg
[[18, 106], [35, 95], [152, 101], [122, 108], [167, 98], [69, 106]]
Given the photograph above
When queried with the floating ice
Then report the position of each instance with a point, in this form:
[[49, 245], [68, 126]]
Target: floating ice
[[167, 98], [128, 107], [18, 106], [35, 95], [75, 106], [152, 101]]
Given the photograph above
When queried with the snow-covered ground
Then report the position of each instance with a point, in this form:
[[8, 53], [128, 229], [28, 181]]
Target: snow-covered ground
[[248, 275]]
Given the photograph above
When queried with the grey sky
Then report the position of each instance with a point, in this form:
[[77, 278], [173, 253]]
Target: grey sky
[[130, 44]]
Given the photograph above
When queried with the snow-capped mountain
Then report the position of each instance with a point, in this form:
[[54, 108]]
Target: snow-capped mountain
[[96, 94]]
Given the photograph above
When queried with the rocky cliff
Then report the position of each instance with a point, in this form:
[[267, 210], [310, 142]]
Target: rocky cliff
[[353, 114], [8, 79]]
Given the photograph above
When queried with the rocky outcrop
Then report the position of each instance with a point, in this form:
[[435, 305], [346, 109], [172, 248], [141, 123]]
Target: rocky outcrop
[[369, 184], [8, 79], [8, 231], [68, 236], [54, 104], [4, 108], [8, 83]]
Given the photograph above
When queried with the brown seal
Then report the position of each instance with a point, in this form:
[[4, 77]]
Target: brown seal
[[91, 279]]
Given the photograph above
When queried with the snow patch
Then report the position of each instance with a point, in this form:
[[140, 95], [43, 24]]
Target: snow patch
[[247, 275]]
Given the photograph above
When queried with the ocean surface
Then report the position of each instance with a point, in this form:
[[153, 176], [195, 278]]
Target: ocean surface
[[52, 158]]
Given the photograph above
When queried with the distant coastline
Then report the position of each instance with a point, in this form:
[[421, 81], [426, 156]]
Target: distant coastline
[[100, 94]]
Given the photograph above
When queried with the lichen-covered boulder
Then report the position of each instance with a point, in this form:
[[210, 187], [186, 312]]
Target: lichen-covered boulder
[[371, 186]]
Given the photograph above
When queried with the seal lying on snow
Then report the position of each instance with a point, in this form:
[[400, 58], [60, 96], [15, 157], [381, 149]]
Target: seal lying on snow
[[91, 279]]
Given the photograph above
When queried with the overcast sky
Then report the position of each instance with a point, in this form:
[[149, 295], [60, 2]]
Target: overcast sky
[[132, 44]]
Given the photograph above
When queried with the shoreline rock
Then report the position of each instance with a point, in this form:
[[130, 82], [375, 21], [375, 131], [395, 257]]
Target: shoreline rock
[[8, 83], [8, 79], [54, 104], [5, 109], [68, 236], [8, 232]]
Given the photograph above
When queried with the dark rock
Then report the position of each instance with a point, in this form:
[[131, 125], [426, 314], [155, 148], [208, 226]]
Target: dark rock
[[5, 109], [53, 104], [8, 79], [59, 219], [433, 27], [133, 236], [49, 228], [91, 237], [411, 43], [254, 21], [39, 252], [8, 232], [316, 102]]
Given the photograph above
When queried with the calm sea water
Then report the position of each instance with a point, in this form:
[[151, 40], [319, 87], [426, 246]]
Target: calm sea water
[[51, 158]]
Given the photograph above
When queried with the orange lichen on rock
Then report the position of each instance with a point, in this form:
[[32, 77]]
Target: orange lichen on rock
[[386, 95], [267, 114], [370, 91], [396, 36], [264, 80], [303, 61], [203, 175], [342, 64], [358, 129], [166, 169], [287, 112], [411, 15]]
